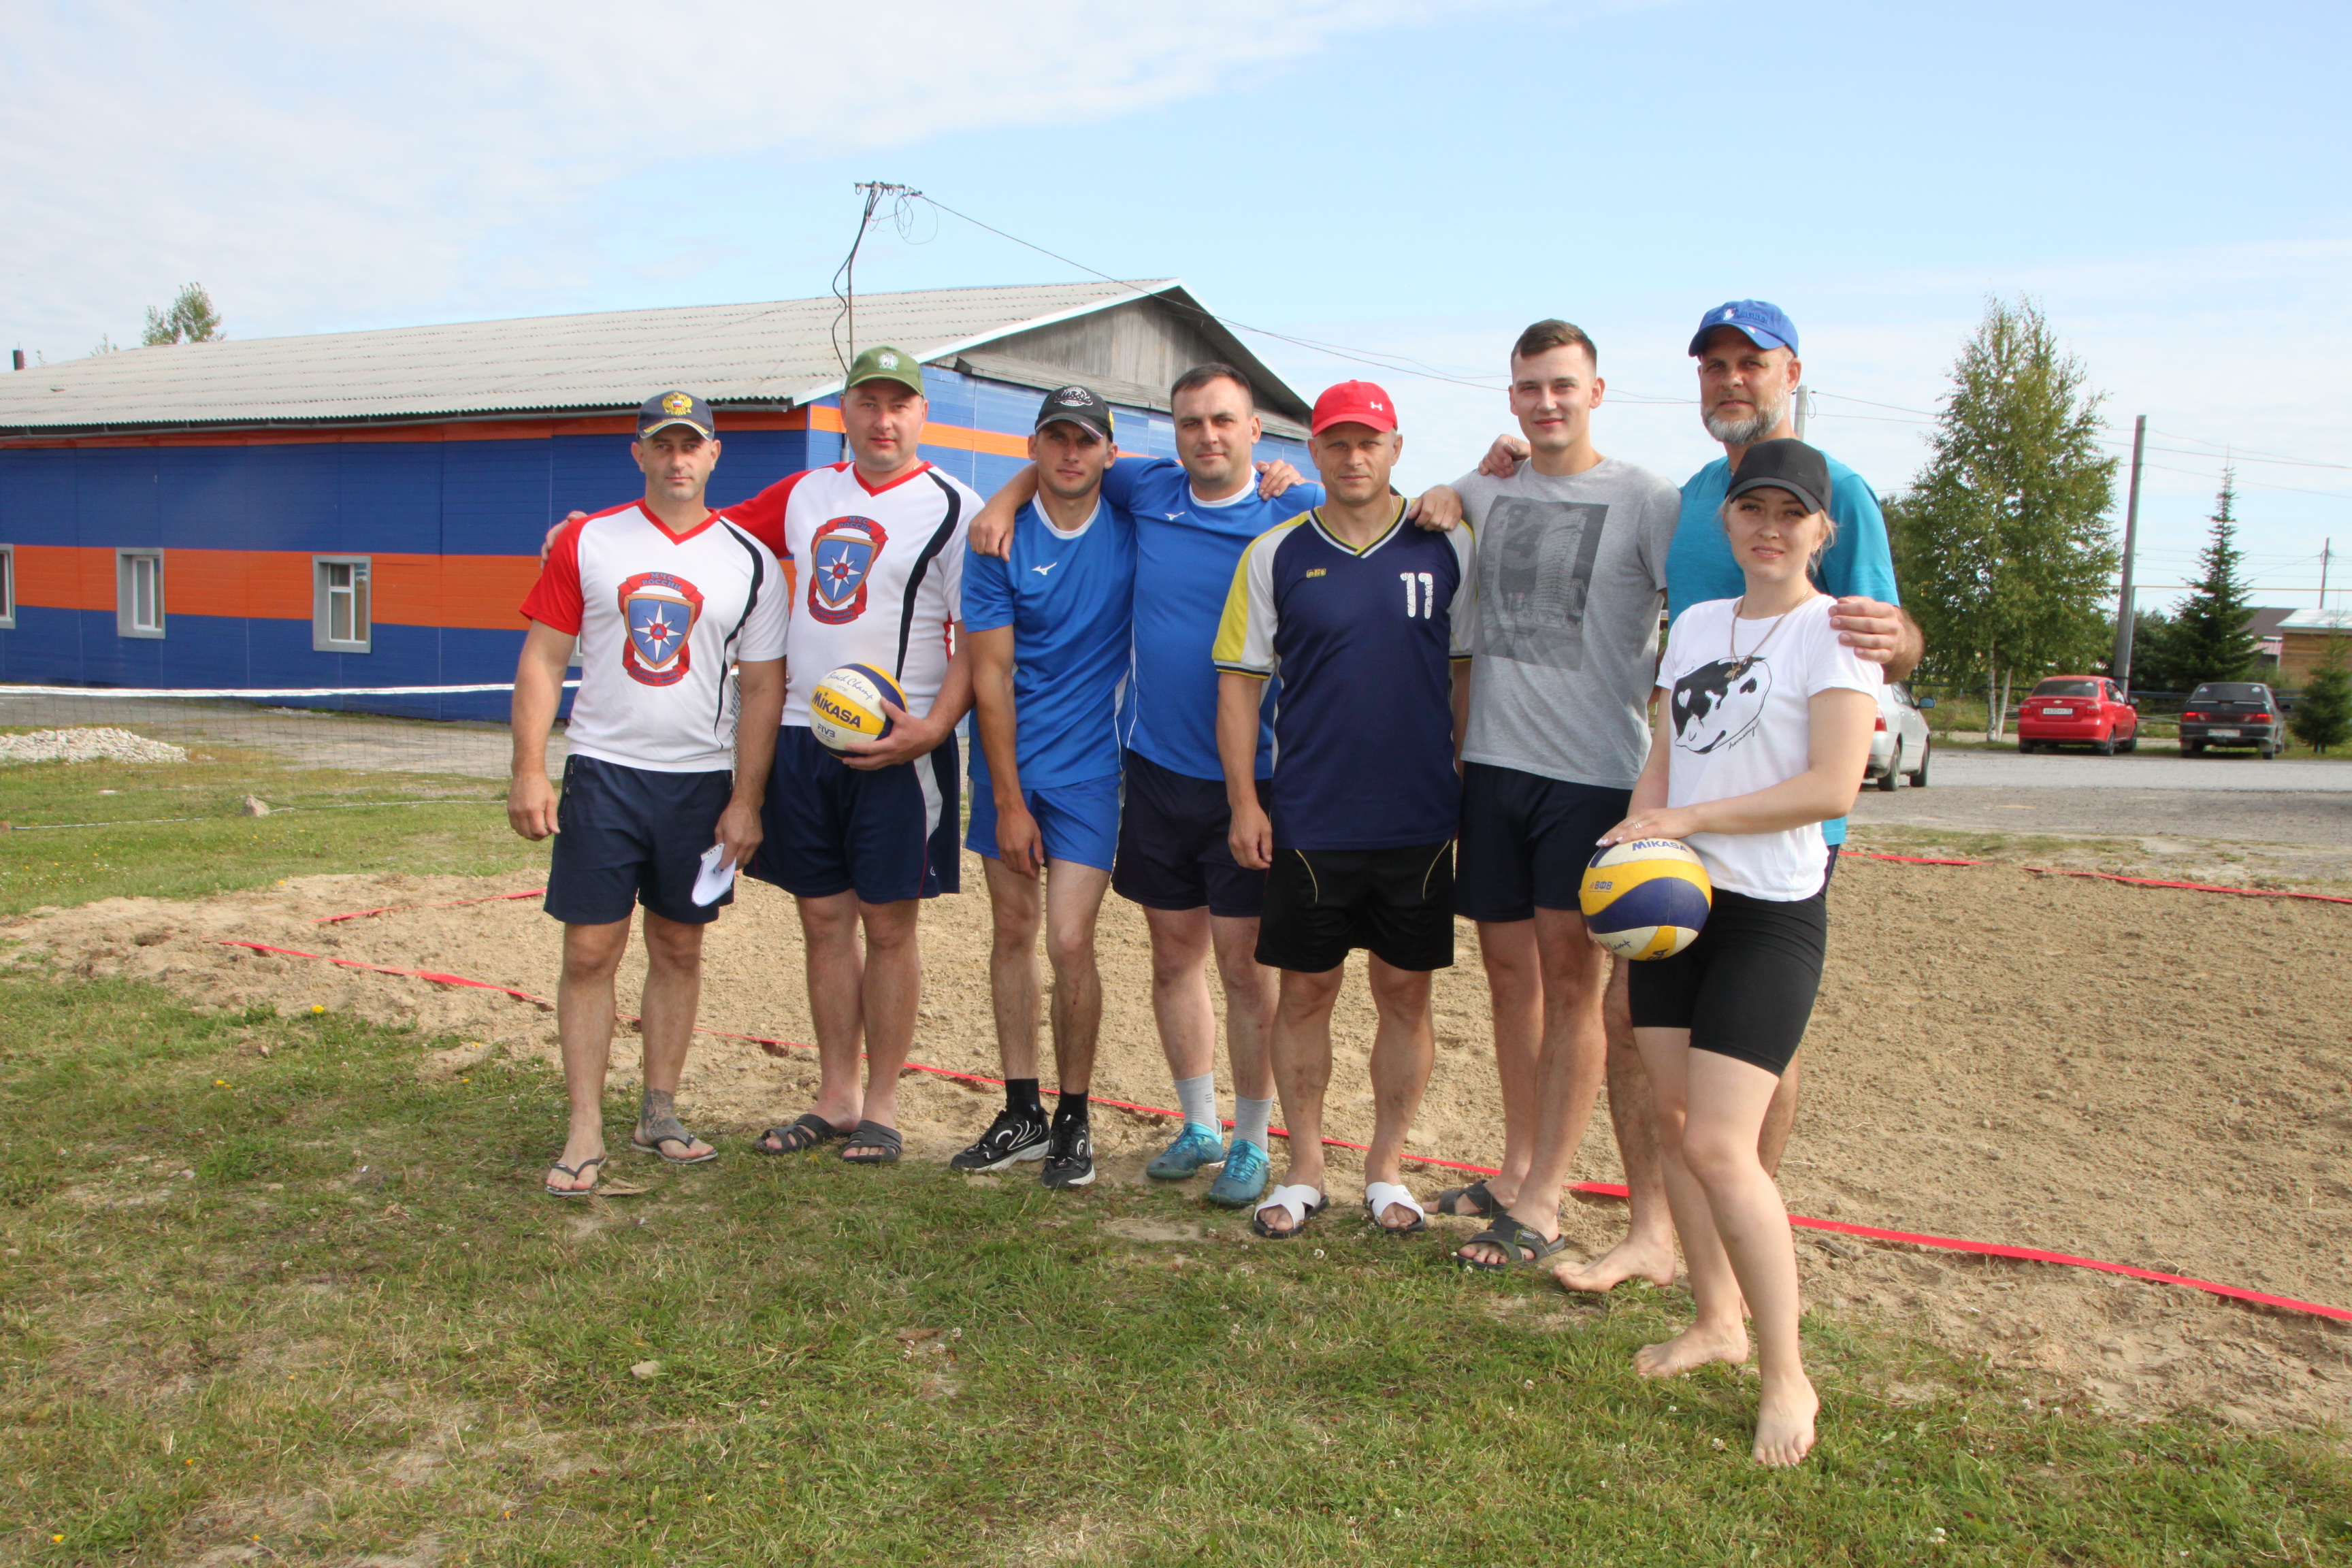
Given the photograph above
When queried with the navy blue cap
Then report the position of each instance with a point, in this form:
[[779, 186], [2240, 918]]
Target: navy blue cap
[[664, 409], [1079, 405], [1766, 325]]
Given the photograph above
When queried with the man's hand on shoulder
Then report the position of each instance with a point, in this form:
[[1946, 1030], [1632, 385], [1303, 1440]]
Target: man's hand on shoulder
[[548, 544], [1879, 632], [1274, 477], [1503, 458], [992, 528], [1439, 509]]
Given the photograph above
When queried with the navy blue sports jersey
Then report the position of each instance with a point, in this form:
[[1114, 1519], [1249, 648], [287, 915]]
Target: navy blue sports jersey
[[1364, 742]]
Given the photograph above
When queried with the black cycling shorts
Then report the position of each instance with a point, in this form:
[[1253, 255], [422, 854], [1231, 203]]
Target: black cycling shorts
[[1745, 986]]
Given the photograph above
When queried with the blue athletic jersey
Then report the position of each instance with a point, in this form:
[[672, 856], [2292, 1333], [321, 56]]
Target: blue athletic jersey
[[1365, 644], [1701, 566], [1069, 599], [1186, 550]]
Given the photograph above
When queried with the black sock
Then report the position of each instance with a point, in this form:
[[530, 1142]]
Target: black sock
[[1070, 1106], [1021, 1097]]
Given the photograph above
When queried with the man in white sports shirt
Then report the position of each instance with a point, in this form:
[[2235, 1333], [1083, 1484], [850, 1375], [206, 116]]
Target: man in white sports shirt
[[1193, 518], [878, 542], [660, 596]]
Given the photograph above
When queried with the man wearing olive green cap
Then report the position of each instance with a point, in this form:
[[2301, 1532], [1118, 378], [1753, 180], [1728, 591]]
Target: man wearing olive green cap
[[877, 544]]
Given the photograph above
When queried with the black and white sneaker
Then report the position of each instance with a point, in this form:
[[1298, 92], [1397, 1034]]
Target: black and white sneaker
[[1069, 1157], [1010, 1138]]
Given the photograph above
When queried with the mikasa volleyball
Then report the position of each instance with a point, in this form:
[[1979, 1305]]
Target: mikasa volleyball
[[846, 706], [1646, 898]]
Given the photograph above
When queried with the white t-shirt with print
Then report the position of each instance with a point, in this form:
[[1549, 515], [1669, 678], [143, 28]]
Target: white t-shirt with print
[[1738, 697]]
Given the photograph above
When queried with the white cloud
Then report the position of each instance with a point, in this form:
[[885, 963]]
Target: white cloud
[[368, 162]]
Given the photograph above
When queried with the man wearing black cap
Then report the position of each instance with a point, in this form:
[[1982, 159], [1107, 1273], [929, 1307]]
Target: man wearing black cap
[[660, 595], [1049, 628]]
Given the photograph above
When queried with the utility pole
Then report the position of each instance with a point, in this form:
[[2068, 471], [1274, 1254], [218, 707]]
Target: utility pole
[[2124, 605], [2327, 548], [1804, 396]]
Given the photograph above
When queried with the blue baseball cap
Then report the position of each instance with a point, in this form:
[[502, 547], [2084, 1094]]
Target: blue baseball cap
[[1765, 324]]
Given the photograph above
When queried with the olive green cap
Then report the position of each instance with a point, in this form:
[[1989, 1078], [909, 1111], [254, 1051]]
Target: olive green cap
[[886, 364]]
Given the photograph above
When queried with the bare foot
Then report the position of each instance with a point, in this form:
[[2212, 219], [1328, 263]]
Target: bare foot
[[1784, 1423], [1694, 1347], [1635, 1258]]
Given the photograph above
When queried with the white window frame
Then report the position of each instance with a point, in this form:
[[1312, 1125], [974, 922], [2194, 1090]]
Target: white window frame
[[7, 587], [322, 597], [126, 586]]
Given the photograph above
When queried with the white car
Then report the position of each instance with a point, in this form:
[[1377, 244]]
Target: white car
[[1898, 748]]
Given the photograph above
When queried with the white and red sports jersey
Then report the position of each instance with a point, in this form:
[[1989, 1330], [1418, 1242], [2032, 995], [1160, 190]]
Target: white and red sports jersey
[[659, 617], [880, 575]]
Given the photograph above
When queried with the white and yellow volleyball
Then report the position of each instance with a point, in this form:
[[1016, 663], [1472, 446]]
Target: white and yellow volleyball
[[846, 706], [1648, 898]]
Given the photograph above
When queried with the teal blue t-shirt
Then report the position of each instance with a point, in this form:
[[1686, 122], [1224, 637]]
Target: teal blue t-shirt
[[1700, 566]]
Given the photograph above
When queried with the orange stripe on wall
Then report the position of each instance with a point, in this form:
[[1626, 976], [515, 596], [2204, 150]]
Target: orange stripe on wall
[[481, 592]]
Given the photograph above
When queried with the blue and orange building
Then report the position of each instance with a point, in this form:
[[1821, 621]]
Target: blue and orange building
[[365, 508]]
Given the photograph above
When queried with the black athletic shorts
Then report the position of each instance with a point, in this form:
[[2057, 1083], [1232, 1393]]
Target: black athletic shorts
[[629, 835], [1172, 848], [1745, 985], [1321, 903], [1525, 840]]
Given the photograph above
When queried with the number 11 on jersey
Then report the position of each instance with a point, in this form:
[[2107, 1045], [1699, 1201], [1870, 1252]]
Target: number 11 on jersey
[[1420, 594]]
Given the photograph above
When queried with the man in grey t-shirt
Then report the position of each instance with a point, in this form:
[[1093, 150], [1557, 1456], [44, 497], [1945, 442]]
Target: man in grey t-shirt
[[1571, 578]]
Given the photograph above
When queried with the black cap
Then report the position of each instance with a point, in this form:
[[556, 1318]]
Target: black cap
[[664, 409], [1783, 465], [1079, 405]]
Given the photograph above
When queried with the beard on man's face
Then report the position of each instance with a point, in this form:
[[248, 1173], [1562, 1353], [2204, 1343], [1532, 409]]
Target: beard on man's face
[[1733, 431]]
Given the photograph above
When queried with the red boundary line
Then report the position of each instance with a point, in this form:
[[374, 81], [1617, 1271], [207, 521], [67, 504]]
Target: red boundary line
[[453, 904], [2111, 876], [775, 1047]]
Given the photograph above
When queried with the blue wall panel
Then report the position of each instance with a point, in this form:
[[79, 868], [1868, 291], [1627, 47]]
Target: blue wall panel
[[387, 501], [36, 497], [116, 498], [290, 500], [495, 497], [200, 495]]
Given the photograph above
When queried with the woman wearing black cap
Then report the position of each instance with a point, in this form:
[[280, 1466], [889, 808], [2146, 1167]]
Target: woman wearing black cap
[[1762, 736]]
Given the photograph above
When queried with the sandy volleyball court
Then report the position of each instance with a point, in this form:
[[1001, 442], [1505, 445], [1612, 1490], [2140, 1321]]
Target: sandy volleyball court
[[2154, 1077]]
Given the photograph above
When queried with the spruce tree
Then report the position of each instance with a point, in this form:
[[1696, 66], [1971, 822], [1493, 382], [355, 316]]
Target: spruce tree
[[2323, 714], [2210, 640]]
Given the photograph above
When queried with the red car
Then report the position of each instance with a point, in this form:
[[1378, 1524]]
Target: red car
[[2077, 710]]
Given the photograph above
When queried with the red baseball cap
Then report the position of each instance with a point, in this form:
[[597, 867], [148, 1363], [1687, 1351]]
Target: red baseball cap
[[1354, 403]]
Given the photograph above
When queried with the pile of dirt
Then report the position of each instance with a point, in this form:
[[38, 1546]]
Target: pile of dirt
[[88, 744], [2151, 1077]]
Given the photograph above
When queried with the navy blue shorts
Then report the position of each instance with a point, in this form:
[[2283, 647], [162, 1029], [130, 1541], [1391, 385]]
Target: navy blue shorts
[[1172, 853], [888, 833], [625, 837], [1527, 839], [1078, 821]]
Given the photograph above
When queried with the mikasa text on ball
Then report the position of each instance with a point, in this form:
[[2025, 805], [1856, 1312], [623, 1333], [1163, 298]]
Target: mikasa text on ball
[[1646, 898], [846, 705]]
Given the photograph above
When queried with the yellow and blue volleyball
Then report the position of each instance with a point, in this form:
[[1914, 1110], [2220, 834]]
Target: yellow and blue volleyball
[[846, 706], [1646, 898]]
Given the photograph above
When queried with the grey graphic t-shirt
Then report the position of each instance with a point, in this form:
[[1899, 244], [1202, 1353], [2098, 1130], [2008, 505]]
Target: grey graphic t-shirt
[[1571, 575]]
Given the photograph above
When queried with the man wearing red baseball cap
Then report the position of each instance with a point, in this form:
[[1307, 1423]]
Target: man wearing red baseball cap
[[1367, 620]]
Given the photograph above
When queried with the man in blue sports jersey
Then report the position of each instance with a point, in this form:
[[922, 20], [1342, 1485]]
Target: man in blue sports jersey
[[1049, 629], [1192, 517], [1367, 620]]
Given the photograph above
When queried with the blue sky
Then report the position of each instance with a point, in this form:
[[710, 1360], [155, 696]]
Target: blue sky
[[1414, 179]]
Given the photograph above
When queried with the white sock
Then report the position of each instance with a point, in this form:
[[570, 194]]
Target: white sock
[[1251, 1118], [1198, 1095]]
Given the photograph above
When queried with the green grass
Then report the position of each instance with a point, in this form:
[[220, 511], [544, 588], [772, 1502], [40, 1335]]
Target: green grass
[[304, 1305], [177, 831]]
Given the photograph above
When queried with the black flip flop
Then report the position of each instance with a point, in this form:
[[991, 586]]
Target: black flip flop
[[650, 1136], [1508, 1236], [555, 1192], [807, 1132], [873, 1135], [1483, 1205]]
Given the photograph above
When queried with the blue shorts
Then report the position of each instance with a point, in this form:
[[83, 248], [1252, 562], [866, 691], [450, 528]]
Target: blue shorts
[[1526, 841], [1078, 821], [626, 836], [888, 833], [1172, 848]]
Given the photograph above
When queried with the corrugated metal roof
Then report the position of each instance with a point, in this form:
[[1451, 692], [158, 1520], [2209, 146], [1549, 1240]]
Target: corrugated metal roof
[[773, 353], [1131, 394], [2339, 621]]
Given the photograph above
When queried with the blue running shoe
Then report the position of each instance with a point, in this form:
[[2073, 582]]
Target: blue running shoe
[[1243, 1182], [1194, 1147]]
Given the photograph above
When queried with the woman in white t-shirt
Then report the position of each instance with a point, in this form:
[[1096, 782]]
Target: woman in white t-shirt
[[1762, 736]]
